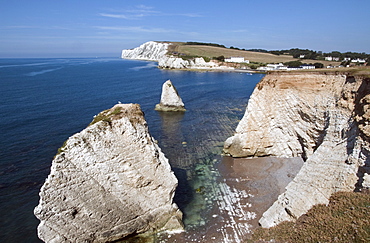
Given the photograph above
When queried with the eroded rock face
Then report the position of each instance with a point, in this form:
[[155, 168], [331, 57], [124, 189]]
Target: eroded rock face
[[108, 181], [320, 117], [158, 51], [170, 99], [171, 62], [151, 51]]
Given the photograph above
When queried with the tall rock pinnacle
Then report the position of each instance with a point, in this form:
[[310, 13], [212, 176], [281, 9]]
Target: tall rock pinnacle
[[170, 99], [108, 181]]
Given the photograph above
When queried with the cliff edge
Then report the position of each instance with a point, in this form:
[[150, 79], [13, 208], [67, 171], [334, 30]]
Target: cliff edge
[[323, 118], [149, 51], [108, 181], [158, 51]]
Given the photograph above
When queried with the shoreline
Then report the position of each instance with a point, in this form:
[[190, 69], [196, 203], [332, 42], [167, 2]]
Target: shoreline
[[247, 187], [221, 70], [263, 177]]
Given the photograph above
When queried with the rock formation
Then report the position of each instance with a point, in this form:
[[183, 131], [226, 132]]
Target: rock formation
[[157, 51], [151, 51], [323, 118], [108, 181], [170, 99], [171, 62]]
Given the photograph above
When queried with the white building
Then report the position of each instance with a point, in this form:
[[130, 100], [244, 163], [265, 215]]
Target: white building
[[336, 59], [358, 60], [271, 67], [236, 59], [282, 67], [308, 67]]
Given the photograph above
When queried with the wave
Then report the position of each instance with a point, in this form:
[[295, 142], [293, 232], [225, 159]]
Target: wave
[[149, 65], [31, 74], [24, 65]]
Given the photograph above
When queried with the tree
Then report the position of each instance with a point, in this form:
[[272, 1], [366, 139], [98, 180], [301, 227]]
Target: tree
[[318, 65], [220, 58], [293, 64]]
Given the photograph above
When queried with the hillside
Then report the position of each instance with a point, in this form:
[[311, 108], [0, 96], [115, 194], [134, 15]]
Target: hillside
[[213, 51]]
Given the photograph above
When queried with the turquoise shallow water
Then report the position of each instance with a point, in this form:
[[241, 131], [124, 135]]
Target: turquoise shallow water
[[44, 101]]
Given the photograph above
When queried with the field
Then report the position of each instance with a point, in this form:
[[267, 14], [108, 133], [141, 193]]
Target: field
[[212, 51]]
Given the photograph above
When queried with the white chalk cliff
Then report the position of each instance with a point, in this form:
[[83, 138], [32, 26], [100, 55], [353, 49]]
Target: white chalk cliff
[[108, 181], [171, 62], [170, 99], [321, 117], [158, 51], [150, 51]]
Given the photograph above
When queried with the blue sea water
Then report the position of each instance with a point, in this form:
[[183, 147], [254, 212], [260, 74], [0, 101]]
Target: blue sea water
[[44, 101]]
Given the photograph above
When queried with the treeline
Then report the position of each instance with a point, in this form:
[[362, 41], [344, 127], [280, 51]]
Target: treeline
[[204, 44], [316, 55], [297, 53]]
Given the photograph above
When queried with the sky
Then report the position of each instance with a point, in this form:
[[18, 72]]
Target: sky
[[102, 28]]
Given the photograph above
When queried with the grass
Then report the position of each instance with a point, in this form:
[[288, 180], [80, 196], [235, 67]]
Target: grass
[[350, 71], [345, 219], [257, 57], [106, 115]]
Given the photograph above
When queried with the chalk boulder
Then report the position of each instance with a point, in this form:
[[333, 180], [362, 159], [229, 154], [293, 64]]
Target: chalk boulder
[[170, 99], [108, 181]]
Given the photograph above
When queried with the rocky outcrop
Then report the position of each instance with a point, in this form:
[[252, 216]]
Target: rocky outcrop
[[170, 99], [171, 62], [150, 51], [157, 51], [321, 117], [108, 181]]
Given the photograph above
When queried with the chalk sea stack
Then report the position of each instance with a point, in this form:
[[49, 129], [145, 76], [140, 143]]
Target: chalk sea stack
[[170, 99], [108, 181], [323, 117]]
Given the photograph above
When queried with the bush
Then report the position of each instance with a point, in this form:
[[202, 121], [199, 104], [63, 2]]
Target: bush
[[318, 65], [219, 58], [293, 64]]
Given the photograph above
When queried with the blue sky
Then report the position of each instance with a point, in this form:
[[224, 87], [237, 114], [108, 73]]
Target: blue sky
[[84, 28]]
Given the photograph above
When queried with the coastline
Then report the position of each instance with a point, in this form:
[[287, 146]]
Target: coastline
[[248, 187], [225, 70], [263, 177]]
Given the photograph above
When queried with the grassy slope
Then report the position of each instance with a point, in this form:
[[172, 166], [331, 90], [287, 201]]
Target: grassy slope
[[345, 219], [211, 51]]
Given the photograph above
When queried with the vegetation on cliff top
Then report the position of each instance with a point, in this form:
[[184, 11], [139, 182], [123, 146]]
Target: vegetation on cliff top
[[345, 219], [106, 115], [260, 57]]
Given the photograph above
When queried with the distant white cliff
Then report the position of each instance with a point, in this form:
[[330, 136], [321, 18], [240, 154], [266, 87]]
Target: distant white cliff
[[108, 181], [158, 51], [321, 117], [150, 51]]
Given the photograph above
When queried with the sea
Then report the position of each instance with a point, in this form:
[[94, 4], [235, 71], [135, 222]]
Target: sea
[[44, 101]]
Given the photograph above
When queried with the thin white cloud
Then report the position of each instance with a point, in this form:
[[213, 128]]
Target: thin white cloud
[[142, 11], [190, 15], [117, 16], [118, 30], [134, 29], [35, 27], [142, 6]]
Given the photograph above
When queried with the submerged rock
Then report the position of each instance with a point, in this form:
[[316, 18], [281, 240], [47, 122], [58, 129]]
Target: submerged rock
[[321, 117], [108, 181], [170, 99]]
